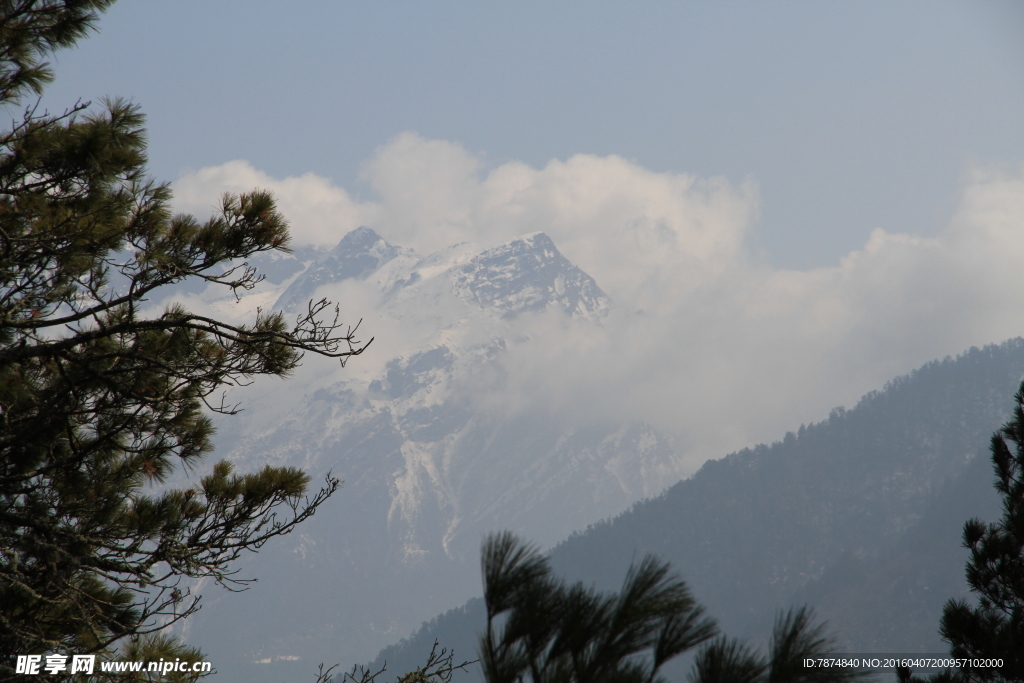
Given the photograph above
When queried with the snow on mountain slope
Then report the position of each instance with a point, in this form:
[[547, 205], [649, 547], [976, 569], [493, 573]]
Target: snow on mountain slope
[[432, 454], [527, 274], [360, 253]]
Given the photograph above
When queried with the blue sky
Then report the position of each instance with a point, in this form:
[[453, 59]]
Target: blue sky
[[847, 117], [788, 203]]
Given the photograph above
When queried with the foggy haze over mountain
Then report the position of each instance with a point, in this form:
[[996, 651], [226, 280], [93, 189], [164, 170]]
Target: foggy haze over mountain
[[623, 266], [704, 338], [434, 450], [509, 389]]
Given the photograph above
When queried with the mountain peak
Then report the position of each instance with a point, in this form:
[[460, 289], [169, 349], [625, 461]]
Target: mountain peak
[[528, 273], [359, 253], [362, 239]]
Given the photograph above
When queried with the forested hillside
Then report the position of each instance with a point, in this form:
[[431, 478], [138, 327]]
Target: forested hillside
[[858, 515]]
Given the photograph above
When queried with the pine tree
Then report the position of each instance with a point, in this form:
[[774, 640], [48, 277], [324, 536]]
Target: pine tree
[[795, 638], [99, 400], [553, 632], [994, 628], [541, 630], [992, 631]]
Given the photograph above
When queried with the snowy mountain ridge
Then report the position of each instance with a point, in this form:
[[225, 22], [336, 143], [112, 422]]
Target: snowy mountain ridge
[[527, 273], [432, 453]]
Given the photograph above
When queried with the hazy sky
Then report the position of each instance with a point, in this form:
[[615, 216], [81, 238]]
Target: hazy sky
[[789, 203], [846, 116]]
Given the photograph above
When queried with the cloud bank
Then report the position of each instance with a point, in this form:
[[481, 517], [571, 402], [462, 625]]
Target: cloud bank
[[708, 340]]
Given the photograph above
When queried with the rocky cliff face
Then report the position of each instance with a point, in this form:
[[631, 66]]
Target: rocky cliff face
[[431, 454]]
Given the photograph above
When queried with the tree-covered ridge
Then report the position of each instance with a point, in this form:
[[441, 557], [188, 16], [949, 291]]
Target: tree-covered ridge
[[757, 526], [990, 625], [858, 515]]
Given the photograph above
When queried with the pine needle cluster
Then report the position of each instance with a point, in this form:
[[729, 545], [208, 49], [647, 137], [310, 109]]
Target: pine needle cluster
[[101, 398]]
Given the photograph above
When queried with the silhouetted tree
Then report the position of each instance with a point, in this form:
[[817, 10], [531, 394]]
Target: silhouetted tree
[[795, 638], [992, 629], [98, 399], [542, 630]]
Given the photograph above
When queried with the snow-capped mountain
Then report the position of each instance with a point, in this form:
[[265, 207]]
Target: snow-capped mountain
[[432, 454], [525, 274], [359, 254]]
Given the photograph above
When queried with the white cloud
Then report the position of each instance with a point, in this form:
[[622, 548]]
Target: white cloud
[[727, 350], [427, 190], [319, 212], [637, 232], [754, 351]]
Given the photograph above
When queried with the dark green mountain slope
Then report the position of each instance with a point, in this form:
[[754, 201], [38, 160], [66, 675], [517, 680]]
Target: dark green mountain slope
[[859, 515]]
